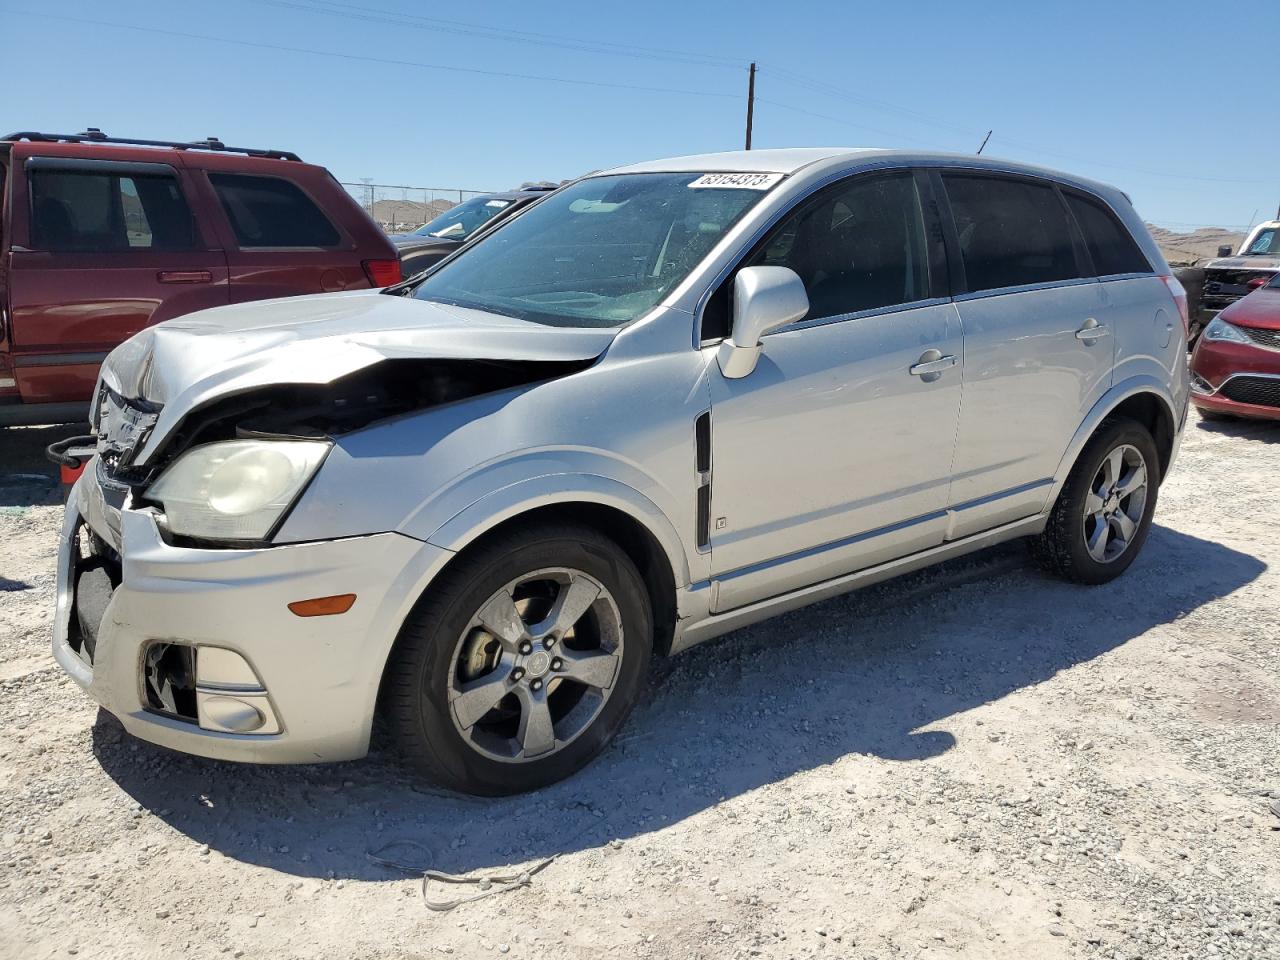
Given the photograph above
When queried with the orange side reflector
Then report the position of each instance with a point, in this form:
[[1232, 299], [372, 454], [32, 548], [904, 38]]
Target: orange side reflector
[[323, 606]]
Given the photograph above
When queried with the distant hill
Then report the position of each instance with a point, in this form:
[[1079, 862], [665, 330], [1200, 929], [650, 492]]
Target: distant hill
[[1181, 249]]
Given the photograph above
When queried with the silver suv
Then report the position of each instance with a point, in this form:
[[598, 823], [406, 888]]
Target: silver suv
[[663, 402]]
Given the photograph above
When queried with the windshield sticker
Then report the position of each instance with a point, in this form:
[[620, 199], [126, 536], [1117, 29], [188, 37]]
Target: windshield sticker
[[496, 203], [736, 181]]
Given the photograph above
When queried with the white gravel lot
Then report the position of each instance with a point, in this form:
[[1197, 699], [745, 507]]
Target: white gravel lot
[[976, 762]]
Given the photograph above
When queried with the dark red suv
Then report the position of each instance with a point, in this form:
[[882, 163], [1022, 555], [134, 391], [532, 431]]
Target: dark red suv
[[102, 237]]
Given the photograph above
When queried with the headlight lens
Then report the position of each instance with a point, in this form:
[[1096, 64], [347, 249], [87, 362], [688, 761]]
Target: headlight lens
[[1219, 329], [235, 490]]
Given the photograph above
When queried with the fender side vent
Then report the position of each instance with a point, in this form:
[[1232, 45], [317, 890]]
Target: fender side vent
[[702, 463]]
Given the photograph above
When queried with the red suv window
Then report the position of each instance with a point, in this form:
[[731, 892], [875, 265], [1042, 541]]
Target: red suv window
[[270, 212], [75, 210]]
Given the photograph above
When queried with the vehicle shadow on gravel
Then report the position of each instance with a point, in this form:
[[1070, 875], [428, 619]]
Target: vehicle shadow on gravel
[[877, 673], [27, 478], [1268, 431]]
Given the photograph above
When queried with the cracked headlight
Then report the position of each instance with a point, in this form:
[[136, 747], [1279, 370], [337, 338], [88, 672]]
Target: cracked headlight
[[1219, 329], [237, 489]]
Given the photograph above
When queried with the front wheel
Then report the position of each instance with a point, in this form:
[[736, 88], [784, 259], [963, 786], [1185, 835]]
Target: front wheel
[[1103, 513], [522, 662]]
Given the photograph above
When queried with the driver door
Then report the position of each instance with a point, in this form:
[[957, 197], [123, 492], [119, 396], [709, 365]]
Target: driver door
[[835, 453]]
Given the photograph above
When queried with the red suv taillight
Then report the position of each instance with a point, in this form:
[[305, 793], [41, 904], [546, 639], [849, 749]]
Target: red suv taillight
[[1179, 295], [382, 273]]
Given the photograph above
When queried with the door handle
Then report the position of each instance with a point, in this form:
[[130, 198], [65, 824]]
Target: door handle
[[185, 276], [931, 362], [1091, 331]]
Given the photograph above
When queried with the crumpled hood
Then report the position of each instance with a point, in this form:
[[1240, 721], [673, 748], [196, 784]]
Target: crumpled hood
[[184, 363]]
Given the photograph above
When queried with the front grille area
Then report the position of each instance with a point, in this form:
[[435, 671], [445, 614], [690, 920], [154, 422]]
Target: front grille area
[[1224, 287], [1262, 391], [1263, 338]]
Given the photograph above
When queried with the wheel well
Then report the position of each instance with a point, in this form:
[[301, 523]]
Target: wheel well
[[1152, 412], [632, 536]]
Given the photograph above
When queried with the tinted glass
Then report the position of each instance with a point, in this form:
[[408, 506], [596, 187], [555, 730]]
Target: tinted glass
[[99, 212], [858, 247], [598, 253], [1110, 245], [458, 223], [270, 212], [1012, 232]]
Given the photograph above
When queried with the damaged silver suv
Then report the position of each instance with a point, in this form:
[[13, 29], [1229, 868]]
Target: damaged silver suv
[[661, 403]]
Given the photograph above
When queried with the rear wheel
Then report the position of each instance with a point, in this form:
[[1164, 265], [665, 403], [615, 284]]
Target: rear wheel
[[522, 662], [1103, 513]]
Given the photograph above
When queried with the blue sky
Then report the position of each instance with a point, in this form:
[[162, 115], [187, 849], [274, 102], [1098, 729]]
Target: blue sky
[[1151, 97]]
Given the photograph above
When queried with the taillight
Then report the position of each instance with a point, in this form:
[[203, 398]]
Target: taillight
[[382, 273], [1179, 295]]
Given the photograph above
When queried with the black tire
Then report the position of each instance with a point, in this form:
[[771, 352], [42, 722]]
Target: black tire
[[417, 680], [1062, 548]]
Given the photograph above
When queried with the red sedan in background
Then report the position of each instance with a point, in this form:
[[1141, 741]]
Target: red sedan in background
[[1235, 370]]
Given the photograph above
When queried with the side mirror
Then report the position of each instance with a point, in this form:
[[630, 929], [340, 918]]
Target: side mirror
[[1224, 251], [764, 299]]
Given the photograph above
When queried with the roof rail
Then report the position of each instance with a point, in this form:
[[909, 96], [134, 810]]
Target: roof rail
[[94, 135]]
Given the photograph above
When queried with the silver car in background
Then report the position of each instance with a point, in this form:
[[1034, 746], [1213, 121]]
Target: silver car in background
[[667, 401]]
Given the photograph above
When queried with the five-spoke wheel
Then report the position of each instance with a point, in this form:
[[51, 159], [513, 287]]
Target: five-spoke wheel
[[536, 664], [522, 660], [1103, 512]]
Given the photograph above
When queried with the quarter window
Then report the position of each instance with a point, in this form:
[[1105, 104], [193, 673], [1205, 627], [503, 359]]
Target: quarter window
[[271, 212], [857, 247], [1012, 232], [84, 211], [1110, 244]]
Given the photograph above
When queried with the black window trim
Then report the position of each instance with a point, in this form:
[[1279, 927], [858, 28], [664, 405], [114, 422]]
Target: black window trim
[[930, 208], [107, 168], [1108, 210], [345, 242], [962, 293]]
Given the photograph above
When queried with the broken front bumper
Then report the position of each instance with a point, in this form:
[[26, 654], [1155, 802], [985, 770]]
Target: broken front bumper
[[186, 646]]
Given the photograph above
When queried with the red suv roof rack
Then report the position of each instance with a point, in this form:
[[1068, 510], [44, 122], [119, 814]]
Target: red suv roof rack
[[94, 135]]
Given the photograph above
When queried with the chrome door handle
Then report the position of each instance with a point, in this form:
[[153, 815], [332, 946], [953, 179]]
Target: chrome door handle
[[935, 364], [1092, 330]]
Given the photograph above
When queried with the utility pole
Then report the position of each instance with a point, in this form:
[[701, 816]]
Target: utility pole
[[751, 100], [984, 142]]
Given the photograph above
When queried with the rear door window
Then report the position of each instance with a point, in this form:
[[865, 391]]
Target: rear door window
[[272, 212], [1111, 247], [88, 211], [1011, 232]]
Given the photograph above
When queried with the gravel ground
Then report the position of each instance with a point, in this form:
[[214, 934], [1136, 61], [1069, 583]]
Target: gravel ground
[[978, 761]]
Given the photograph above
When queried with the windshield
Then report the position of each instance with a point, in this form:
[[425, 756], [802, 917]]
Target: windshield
[[600, 252], [1265, 244], [458, 223]]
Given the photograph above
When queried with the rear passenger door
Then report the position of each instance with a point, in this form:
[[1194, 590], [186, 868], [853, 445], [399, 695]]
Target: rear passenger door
[[280, 243], [112, 247], [1037, 352]]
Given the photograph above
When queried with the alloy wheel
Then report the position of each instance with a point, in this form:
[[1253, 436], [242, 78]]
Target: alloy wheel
[[535, 665], [1114, 506]]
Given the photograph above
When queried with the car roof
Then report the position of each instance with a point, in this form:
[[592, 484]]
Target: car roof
[[792, 159]]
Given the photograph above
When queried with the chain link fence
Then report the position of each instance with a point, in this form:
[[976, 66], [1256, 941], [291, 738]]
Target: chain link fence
[[401, 209]]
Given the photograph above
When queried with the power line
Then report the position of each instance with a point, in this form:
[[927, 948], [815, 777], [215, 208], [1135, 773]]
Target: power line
[[369, 14], [382, 60]]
